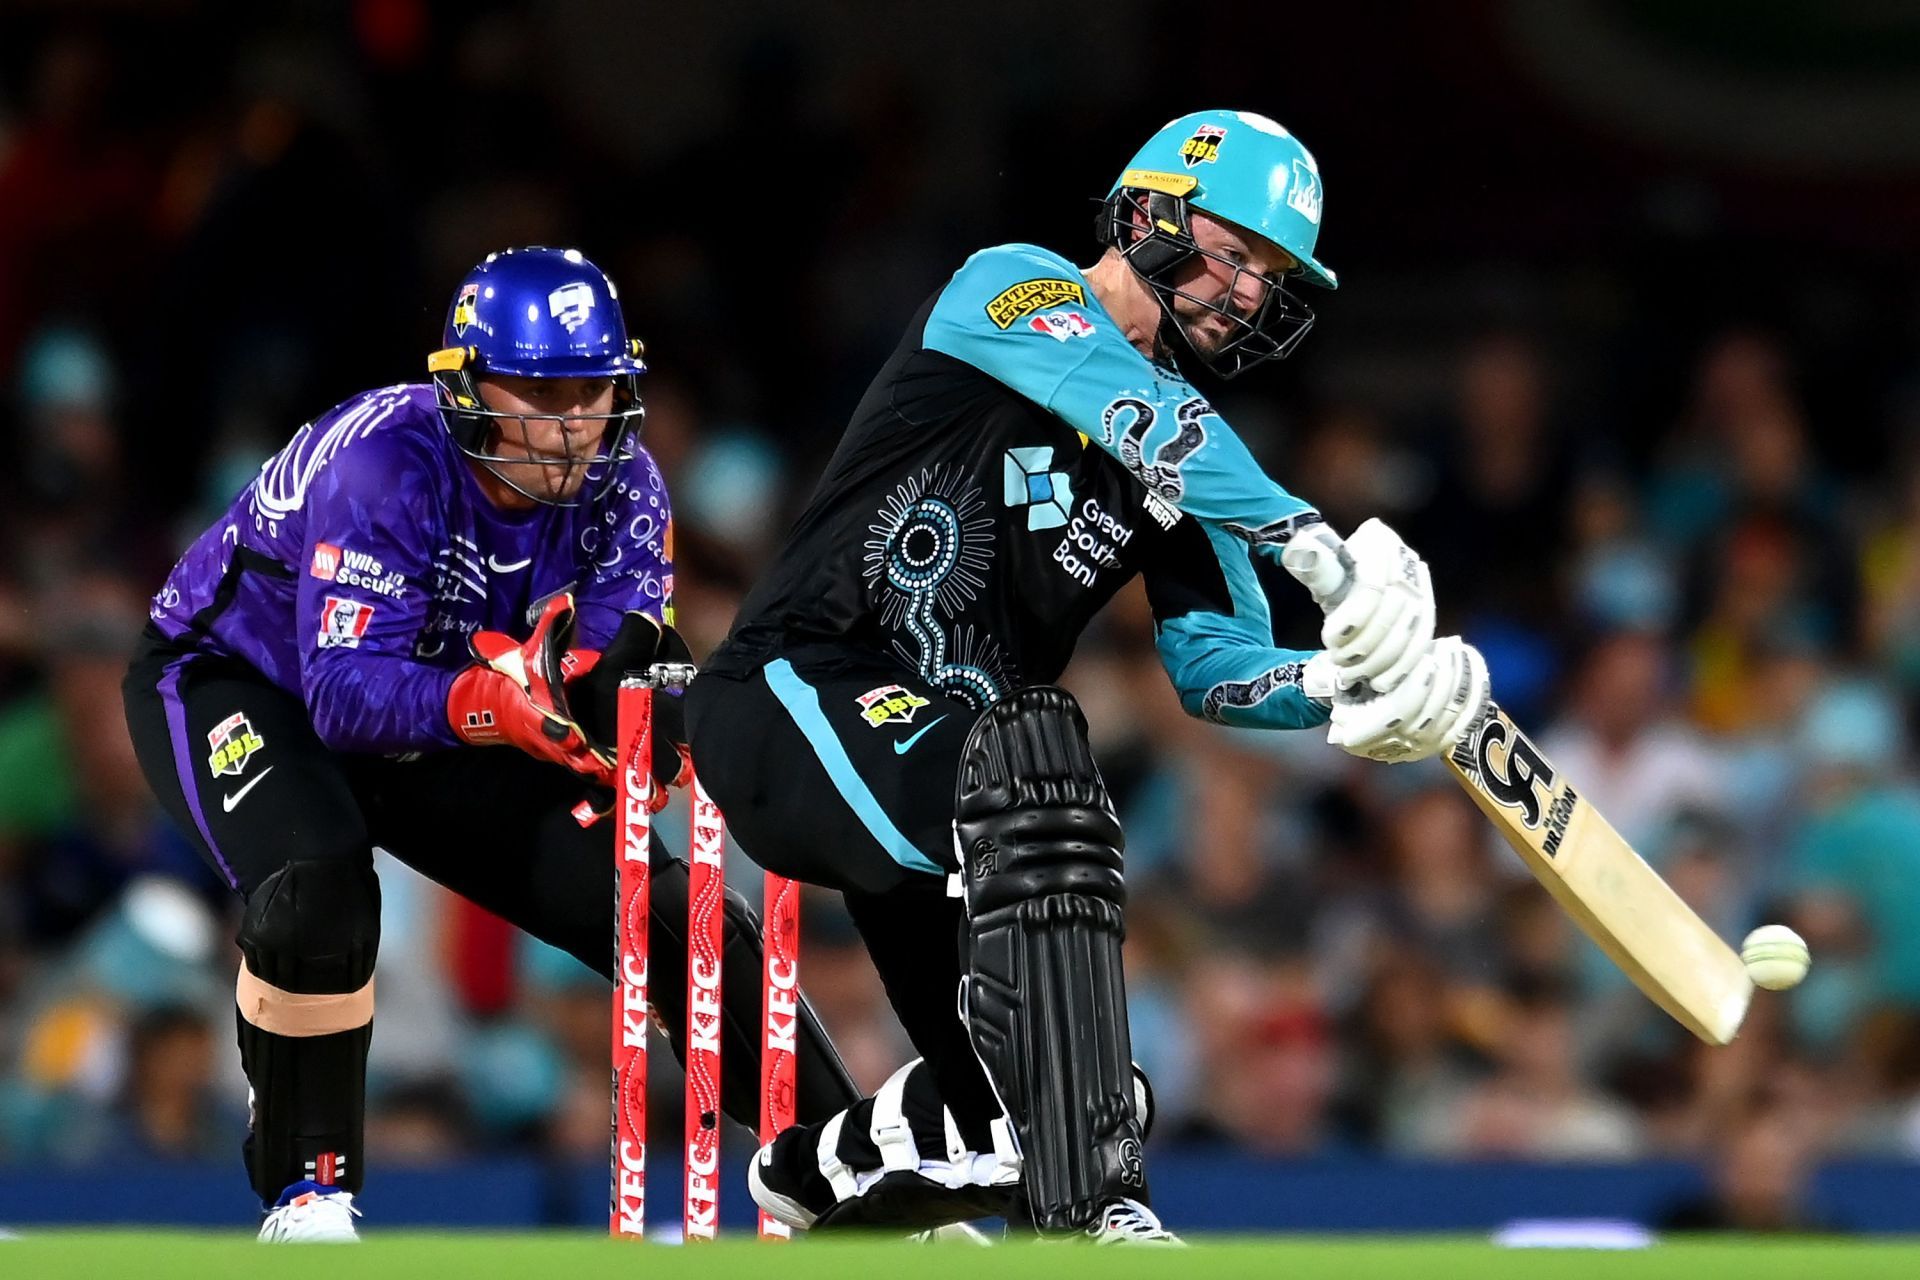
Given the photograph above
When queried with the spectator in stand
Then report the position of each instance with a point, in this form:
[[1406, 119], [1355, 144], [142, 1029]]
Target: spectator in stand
[[1494, 527], [1638, 761], [1761, 1182], [1535, 1106], [1407, 1066], [1854, 866], [76, 821]]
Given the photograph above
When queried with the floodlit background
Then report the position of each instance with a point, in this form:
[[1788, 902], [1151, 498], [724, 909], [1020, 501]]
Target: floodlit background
[[1628, 347]]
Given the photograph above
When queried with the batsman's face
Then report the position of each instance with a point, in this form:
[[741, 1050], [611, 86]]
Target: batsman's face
[[1234, 270], [557, 427]]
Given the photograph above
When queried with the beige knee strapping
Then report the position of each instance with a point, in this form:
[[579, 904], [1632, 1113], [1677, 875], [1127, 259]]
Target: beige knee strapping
[[289, 1013]]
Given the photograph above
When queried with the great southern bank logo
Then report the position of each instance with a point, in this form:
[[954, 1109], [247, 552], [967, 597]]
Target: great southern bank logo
[[1047, 495]]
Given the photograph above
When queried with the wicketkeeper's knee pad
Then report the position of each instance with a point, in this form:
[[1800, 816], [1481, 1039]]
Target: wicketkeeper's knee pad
[[1041, 866], [308, 940]]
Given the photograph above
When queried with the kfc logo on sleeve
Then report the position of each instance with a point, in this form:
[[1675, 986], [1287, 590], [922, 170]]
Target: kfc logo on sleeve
[[1061, 325], [343, 622]]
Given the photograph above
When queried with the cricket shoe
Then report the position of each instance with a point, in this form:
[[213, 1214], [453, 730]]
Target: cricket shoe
[[310, 1213], [1124, 1221], [785, 1182], [953, 1233], [779, 1188]]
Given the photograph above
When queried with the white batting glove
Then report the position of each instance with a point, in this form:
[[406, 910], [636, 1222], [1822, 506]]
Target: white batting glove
[[1384, 623], [1428, 712]]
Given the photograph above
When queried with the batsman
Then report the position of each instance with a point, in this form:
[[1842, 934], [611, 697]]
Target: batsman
[[881, 719]]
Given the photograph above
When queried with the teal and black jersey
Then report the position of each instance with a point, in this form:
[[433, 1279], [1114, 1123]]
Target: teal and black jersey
[[1013, 465]]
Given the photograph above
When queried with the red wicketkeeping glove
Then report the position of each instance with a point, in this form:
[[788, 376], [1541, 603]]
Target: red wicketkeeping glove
[[515, 694], [592, 691]]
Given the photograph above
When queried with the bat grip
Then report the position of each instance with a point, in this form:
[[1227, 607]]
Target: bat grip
[[1325, 567]]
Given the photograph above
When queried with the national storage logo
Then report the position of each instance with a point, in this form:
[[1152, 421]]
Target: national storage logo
[[1014, 304]]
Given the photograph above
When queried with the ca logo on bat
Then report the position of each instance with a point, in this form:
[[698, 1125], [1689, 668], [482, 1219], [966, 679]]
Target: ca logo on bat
[[1525, 772]]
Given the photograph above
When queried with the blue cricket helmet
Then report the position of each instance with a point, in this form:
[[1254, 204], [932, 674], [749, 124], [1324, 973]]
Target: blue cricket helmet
[[536, 312], [1240, 167]]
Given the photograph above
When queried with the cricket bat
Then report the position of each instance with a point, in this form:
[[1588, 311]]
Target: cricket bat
[[1612, 894]]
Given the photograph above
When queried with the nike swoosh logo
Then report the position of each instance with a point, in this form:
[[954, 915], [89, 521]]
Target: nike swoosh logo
[[493, 563], [900, 747], [231, 799]]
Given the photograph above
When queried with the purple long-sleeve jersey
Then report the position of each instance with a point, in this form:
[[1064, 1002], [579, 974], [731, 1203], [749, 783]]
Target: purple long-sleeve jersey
[[354, 568]]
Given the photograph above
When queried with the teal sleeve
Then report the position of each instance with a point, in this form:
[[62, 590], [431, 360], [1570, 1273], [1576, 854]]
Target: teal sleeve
[[1215, 634], [1026, 317]]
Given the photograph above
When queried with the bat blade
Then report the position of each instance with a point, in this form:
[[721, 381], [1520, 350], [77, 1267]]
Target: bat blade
[[1619, 901]]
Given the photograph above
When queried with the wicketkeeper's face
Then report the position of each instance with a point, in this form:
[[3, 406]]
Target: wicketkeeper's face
[[557, 426]]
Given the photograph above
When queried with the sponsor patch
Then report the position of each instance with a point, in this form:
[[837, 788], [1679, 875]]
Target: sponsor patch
[[889, 704], [233, 743], [1061, 325], [1028, 481], [1092, 541], [350, 568], [1203, 147], [1015, 303], [343, 622], [466, 309]]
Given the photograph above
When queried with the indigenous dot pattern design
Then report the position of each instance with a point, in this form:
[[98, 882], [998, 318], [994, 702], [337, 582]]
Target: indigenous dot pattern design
[[925, 562]]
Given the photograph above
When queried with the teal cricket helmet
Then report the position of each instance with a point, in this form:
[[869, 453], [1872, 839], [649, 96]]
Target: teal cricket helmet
[[1240, 167]]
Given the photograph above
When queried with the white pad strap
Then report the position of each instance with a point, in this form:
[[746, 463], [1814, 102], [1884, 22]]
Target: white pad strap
[[891, 1132], [832, 1167], [957, 1149], [1006, 1153]]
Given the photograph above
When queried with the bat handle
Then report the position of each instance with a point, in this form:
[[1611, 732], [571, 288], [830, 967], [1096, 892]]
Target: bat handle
[[1322, 565]]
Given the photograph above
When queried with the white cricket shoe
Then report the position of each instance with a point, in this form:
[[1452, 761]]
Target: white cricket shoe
[[781, 1201], [953, 1233], [309, 1213], [1124, 1221]]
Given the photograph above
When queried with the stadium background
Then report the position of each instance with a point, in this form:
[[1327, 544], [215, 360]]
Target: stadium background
[[1628, 346]]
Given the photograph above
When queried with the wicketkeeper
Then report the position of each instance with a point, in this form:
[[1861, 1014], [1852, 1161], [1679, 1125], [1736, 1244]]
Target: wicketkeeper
[[394, 637]]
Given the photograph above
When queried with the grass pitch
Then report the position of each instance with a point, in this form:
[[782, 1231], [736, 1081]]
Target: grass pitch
[[156, 1255]]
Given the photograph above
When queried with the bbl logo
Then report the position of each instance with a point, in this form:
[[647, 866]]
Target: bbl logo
[[466, 309], [889, 704], [234, 742], [1203, 147]]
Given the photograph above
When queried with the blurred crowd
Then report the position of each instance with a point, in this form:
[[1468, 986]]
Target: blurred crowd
[[1693, 566]]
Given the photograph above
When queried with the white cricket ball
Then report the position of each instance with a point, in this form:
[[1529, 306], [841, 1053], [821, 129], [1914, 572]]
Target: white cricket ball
[[1776, 957]]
